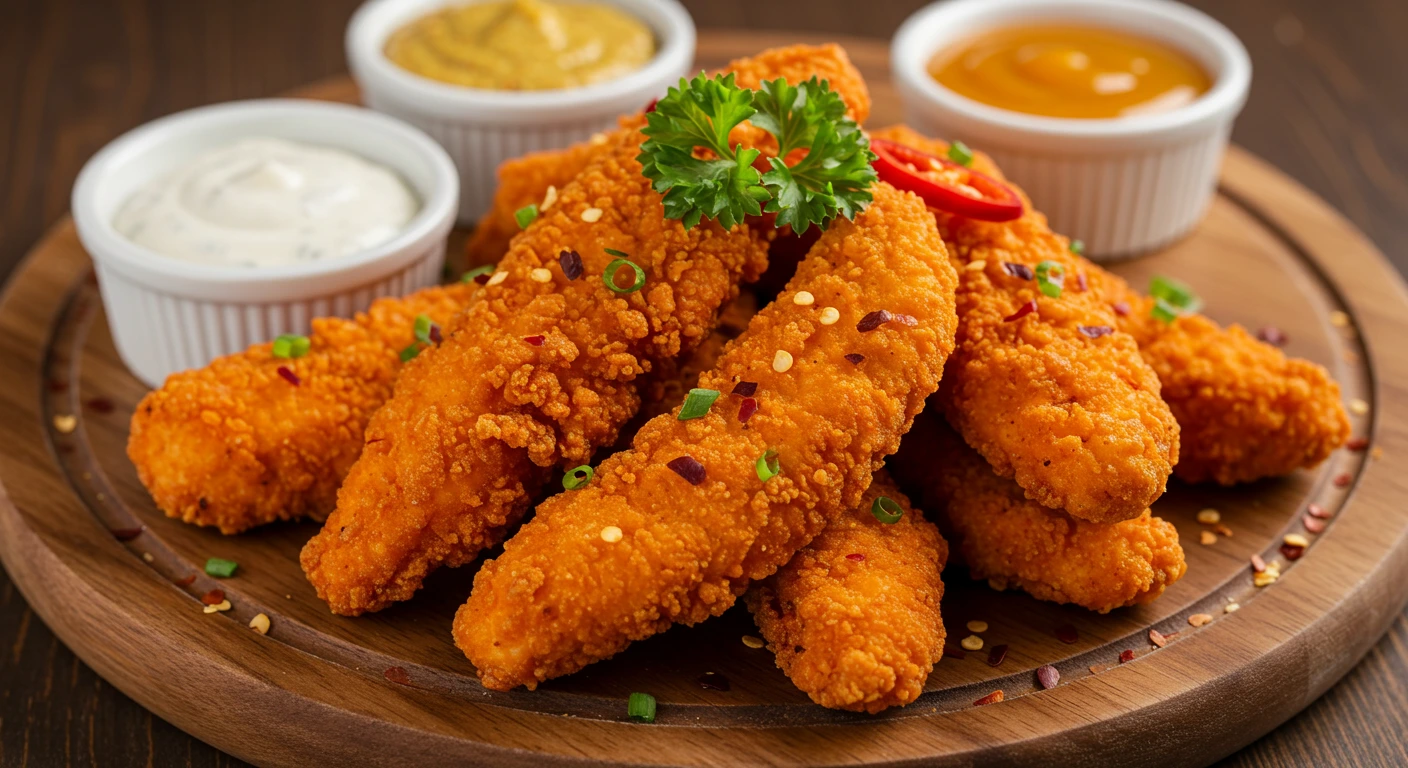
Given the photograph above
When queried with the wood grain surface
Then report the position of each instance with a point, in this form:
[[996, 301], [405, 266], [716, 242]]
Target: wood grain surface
[[1323, 108]]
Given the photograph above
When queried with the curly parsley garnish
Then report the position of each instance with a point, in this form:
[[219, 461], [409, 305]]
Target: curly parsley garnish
[[833, 177]]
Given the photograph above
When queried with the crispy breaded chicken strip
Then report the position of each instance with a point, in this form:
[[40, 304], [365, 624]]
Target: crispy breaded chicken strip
[[853, 618], [1011, 541], [235, 444], [1074, 418], [526, 180], [696, 523]]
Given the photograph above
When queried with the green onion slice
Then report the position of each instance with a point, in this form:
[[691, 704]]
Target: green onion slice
[[578, 477], [697, 403], [959, 153], [886, 510], [1162, 310], [409, 353], [617, 254], [220, 568], [609, 276], [423, 323], [768, 465], [641, 708], [1078, 247], [1177, 294], [526, 215], [469, 276], [290, 346], [1049, 284]]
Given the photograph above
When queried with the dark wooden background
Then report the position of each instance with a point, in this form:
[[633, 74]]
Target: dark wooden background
[[1329, 106]]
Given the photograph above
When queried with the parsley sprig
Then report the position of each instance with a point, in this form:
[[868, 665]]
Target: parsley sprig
[[833, 177]]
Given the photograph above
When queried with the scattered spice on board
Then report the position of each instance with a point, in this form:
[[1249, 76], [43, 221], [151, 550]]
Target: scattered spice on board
[[997, 655], [1343, 479], [1200, 619], [1047, 677], [1313, 524], [991, 698], [1126, 656], [1157, 638], [127, 534], [1357, 444], [213, 597], [1067, 634]]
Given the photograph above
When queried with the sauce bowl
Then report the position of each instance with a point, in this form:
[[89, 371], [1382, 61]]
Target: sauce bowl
[[169, 314], [1124, 185]]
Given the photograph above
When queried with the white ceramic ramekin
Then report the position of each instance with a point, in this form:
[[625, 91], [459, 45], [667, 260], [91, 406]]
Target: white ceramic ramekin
[[482, 128], [168, 315], [1125, 185]]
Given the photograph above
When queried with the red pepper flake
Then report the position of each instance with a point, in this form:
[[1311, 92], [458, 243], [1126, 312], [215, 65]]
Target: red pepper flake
[[855, 359], [1018, 270], [1157, 638], [1292, 552], [128, 534], [909, 320], [997, 655], [1095, 331], [1022, 311], [289, 375], [186, 582], [747, 409], [1357, 444], [1047, 677], [434, 335], [648, 109], [1316, 510], [713, 681], [874, 320], [1081, 283], [1126, 656], [56, 385], [1313, 524], [1067, 634], [1343, 479], [991, 698], [534, 341], [213, 597], [1121, 308], [1272, 335], [745, 388], [686, 467], [100, 405], [397, 675], [1258, 565], [954, 653], [856, 556], [571, 263]]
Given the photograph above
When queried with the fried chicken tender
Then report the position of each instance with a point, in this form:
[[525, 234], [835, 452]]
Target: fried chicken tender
[[1009, 540], [526, 179], [1076, 421], [235, 445], [567, 591], [853, 618]]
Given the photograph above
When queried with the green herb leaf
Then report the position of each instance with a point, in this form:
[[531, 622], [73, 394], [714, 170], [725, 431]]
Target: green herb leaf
[[220, 568], [1177, 294], [291, 346], [641, 708], [697, 403], [886, 510], [1162, 310], [422, 328], [469, 276], [409, 353], [1048, 284], [609, 276], [768, 465], [526, 215], [578, 477], [1078, 247], [959, 153], [616, 253]]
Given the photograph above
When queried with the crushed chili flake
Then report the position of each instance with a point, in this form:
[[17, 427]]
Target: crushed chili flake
[[1200, 619], [213, 597], [100, 405], [874, 320], [954, 653], [686, 467], [1357, 444], [571, 263], [1018, 270], [1343, 479], [747, 409], [1047, 677], [1081, 283], [991, 698], [289, 375], [909, 320], [185, 582], [535, 341], [997, 655], [713, 681], [1316, 510], [1022, 311], [128, 534], [745, 388], [1157, 638], [1272, 335], [434, 335], [1127, 656], [1313, 524], [1292, 552], [1223, 529], [397, 675], [855, 359], [1258, 565], [1095, 331], [1121, 308], [856, 556], [1067, 634]]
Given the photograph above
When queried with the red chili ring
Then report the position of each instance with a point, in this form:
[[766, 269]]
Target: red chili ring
[[901, 166]]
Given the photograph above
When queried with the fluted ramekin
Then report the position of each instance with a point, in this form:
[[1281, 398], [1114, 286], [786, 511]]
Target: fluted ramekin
[[1125, 185], [481, 128], [167, 314]]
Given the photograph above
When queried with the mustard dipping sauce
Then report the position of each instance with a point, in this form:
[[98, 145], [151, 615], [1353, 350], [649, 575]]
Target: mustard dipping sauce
[[1071, 71], [523, 45]]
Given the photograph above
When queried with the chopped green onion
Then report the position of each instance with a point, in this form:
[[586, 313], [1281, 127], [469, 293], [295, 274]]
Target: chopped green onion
[[1050, 285], [1177, 294], [409, 353], [220, 568], [617, 254], [423, 325], [1078, 247], [1162, 310], [578, 477], [697, 403], [641, 708], [469, 276], [959, 153], [609, 276], [526, 215], [291, 345], [886, 510], [768, 466]]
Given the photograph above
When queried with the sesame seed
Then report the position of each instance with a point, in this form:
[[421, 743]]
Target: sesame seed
[[977, 625], [1207, 537], [782, 361], [1267, 577], [549, 198], [260, 624], [1358, 407], [497, 277], [753, 642], [541, 275], [976, 266], [1296, 540], [147, 557], [65, 423], [597, 139], [972, 643], [591, 215], [830, 315], [1209, 517], [1231, 607], [803, 299], [610, 534], [1201, 619], [1339, 319]]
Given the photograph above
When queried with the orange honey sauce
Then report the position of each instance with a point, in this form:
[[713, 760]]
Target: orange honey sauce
[[1071, 72]]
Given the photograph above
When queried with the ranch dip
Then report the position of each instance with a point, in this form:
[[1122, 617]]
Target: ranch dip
[[263, 202]]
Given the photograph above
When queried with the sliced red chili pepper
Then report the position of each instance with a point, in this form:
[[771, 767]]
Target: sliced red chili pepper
[[944, 184]]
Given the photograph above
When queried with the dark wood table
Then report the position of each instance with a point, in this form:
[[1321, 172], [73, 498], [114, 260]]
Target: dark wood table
[[1329, 105]]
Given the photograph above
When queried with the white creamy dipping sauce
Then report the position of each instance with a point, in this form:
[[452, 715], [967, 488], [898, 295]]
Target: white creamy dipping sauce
[[264, 202]]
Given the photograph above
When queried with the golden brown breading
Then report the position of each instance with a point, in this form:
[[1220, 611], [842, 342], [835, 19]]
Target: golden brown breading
[[1010, 540], [235, 445], [1076, 421], [566, 592], [853, 618]]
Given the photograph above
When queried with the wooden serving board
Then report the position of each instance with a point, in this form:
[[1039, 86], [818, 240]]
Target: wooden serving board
[[392, 689]]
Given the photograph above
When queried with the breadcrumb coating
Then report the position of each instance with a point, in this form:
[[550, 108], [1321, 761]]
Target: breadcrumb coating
[[1076, 421], [561, 596], [1011, 541], [234, 445], [853, 618]]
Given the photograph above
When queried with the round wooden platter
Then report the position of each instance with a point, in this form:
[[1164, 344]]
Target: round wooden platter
[[83, 541]]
